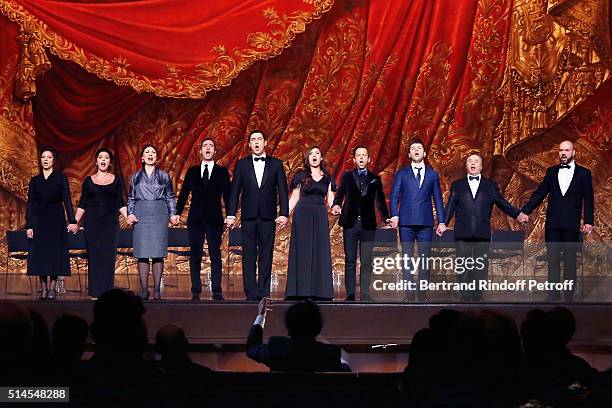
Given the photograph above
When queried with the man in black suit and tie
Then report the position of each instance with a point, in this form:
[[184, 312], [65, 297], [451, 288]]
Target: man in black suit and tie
[[568, 187], [359, 190], [262, 183], [300, 351], [471, 201], [208, 183]]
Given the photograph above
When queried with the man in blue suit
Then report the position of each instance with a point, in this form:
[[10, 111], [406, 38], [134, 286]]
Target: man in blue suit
[[411, 209]]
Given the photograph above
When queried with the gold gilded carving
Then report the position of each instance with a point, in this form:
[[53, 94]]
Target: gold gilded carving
[[205, 77], [34, 61], [553, 65]]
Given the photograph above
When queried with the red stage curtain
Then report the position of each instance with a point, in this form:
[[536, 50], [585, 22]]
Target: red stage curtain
[[178, 48]]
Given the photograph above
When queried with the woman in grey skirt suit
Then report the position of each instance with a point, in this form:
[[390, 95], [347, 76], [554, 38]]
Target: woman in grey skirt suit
[[150, 203]]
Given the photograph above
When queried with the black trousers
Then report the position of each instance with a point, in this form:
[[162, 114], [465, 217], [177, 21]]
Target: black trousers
[[355, 237], [560, 242], [212, 233], [258, 248], [473, 271]]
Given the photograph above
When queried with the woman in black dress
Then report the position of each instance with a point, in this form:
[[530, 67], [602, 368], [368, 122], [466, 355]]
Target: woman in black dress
[[48, 207], [310, 264], [101, 199]]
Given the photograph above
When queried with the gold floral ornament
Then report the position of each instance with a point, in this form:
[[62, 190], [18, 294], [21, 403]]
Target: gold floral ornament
[[33, 62], [205, 77], [557, 56]]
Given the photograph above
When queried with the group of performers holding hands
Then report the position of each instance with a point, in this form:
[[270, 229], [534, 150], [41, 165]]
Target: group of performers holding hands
[[259, 184]]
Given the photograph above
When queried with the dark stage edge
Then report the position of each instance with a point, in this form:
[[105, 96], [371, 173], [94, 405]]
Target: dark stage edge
[[353, 325]]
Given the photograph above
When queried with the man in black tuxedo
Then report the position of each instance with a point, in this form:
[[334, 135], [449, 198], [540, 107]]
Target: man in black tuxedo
[[208, 183], [262, 183], [300, 351], [471, 201], [359, 190], [568, 186]]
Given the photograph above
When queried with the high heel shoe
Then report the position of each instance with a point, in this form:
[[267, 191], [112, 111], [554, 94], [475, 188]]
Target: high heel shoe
[[51, 295], [144, 295], [43, 294], [157, 295]]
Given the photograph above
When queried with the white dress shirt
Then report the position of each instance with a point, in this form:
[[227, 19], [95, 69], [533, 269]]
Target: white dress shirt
[[565, 177], [259, 166], [414, 171], [474, 184], [211, 164]]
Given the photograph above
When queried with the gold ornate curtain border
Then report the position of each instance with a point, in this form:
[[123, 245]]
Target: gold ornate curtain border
[[206, 77]]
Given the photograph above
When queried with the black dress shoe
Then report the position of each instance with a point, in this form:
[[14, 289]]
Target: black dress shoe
[[365, 297], [218, 297], [350, 298], [195, 296]]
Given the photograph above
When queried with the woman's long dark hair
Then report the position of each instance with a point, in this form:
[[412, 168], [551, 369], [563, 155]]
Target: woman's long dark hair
[[308, 171]]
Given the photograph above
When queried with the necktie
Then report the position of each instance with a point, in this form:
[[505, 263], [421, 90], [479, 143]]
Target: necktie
[[205, 176], [474, 178], [259, 158], [565, 166], [418, 176], [362, 181]]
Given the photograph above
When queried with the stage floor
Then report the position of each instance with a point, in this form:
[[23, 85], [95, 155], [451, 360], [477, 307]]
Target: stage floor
[[591, 289]]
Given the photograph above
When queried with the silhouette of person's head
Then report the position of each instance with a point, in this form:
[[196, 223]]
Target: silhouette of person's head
[[170, 340], [563, 325], [16, 333], [118, 324], [303, 320], [68, 337]]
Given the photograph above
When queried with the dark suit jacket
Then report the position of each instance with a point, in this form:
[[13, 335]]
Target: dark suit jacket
[[205, 196], [285, 354], [474, 214], [259, 201], [413, 204], [564, 212], [354, 202]]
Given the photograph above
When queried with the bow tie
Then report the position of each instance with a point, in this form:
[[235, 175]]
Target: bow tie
[[474, 178], [259, 158], [565, 166], [362, 172]]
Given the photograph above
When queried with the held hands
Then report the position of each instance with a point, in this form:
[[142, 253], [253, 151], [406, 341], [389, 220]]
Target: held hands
[[393, 222], [336, 210], [73, 228], [174, 219], [30, 233], [522, 218], [587, 228], [131, 219], [441, 229], [282, 221], [230, 223]]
